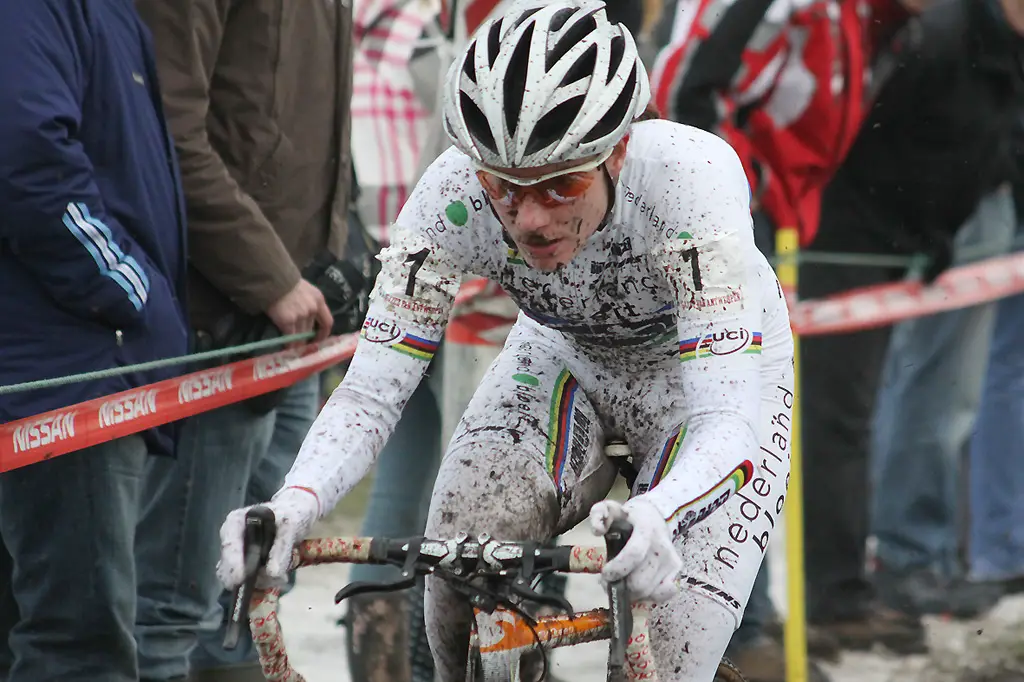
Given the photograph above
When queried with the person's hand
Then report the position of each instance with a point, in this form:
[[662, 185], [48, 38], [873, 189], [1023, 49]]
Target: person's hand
[[300, 310], [295, 511], [648, 562]]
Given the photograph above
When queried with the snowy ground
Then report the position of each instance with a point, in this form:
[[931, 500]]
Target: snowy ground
[[316, 643]]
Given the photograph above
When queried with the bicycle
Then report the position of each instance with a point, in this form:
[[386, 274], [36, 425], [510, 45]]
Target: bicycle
[[497, 578]]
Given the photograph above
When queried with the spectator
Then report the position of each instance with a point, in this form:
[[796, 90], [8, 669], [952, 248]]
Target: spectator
[[92, 269], [783, 83], [257, 98], [931, 147], [995, 547], [931, 387]]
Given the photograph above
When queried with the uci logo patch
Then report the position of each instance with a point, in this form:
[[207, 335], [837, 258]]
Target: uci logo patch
[[720, 342]]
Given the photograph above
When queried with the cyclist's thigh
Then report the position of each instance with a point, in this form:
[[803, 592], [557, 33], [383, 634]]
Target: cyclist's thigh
[[528, 451], [723, 552]]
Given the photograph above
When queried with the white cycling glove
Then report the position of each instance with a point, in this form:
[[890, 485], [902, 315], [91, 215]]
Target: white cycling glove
[[648, 562], [295, 511]]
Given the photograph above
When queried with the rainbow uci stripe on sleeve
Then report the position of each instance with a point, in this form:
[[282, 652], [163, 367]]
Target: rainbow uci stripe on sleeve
[[562, 399], [417, 347], [755, 345], [668, 455], [695, 511], [688, 347]]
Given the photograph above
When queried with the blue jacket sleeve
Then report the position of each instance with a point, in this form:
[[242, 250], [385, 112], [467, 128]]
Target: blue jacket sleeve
[[52, 216]]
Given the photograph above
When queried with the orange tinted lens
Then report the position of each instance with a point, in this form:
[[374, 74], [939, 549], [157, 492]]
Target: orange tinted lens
[[550, 193], [564, 188], [496, 188]]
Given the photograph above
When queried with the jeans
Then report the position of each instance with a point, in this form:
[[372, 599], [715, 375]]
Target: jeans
[[68, 527], [996, 529], [931, 388], [222, 455]]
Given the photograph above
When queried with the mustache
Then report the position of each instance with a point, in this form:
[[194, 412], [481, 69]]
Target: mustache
[[538, 240]]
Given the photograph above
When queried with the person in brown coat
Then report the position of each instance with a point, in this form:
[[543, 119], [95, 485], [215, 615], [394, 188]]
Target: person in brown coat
[[256, 95]]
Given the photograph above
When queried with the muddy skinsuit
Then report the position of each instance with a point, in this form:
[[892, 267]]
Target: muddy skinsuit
[[668, 330]]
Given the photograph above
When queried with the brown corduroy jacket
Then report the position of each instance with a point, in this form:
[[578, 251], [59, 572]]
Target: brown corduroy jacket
[[256, 95]]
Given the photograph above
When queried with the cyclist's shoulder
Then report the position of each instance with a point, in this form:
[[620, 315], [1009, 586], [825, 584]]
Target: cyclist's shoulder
[[447, 205], [667, 144], [680, 179]]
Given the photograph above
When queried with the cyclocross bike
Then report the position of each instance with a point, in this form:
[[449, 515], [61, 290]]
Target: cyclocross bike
[[499, 579]]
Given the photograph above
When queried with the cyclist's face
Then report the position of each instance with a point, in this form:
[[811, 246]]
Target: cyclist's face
[[551, 221]]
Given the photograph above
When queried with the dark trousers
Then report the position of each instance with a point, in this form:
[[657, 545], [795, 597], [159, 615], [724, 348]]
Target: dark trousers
[[68, 528], [839, 381]]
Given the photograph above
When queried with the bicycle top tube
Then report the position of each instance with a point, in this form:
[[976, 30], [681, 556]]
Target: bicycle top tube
[[460, 555]]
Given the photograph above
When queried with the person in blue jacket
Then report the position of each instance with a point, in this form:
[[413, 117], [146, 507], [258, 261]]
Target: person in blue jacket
[[92, 267]]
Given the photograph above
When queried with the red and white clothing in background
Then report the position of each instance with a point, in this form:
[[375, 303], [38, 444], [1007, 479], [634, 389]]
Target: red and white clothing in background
[[783, 81]]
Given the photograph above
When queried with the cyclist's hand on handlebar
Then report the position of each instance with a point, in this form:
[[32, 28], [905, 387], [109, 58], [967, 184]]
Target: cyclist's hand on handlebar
[[295, 510], [648, 562]]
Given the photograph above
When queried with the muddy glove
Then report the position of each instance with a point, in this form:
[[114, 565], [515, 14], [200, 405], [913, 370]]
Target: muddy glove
[[648, 562], [296, 510]]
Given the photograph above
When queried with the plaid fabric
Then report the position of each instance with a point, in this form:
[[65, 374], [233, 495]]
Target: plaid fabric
[[389, 123]]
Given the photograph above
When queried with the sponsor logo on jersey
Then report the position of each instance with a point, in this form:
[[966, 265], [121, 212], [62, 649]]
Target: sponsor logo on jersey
[[456, 213], [690, 514], [380, 331], [703, 301], [647, 209], [716, 592], [412, 304], [720, 342]]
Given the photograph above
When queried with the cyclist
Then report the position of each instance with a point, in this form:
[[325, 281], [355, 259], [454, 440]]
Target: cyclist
[[647, 315]]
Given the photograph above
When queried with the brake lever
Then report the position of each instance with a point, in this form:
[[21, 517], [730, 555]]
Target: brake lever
[[554, 601], [260, 530], [619, 605], [366, 587], [408, 579]]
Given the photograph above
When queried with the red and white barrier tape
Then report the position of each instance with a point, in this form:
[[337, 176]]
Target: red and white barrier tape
[[881, 305], [58, 432]]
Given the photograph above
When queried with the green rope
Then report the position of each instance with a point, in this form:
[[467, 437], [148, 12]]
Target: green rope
[[155, 364], [876, 260]]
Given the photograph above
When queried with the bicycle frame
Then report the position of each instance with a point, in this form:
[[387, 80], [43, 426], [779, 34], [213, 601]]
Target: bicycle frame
[[497, 641]]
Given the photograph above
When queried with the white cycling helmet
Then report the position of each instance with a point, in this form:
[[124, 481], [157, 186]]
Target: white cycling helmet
[[544, 83]]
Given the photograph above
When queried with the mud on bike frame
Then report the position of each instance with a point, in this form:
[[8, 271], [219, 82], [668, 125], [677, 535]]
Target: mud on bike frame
[[498, 579]]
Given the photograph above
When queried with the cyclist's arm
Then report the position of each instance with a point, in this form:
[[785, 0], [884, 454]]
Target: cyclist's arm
[[409, 309], [709, 266]]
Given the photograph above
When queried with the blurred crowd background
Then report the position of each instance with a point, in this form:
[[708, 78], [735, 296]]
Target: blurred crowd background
[[279, 139]]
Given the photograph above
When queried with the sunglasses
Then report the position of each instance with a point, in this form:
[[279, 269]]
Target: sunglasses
[[550, 190], [552, 193]]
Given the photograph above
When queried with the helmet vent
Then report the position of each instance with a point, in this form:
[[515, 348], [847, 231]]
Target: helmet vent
[[552, 125], [477, 123], [583, 68], [613, 118], [617, 48], [573, 36], [515, 80]]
